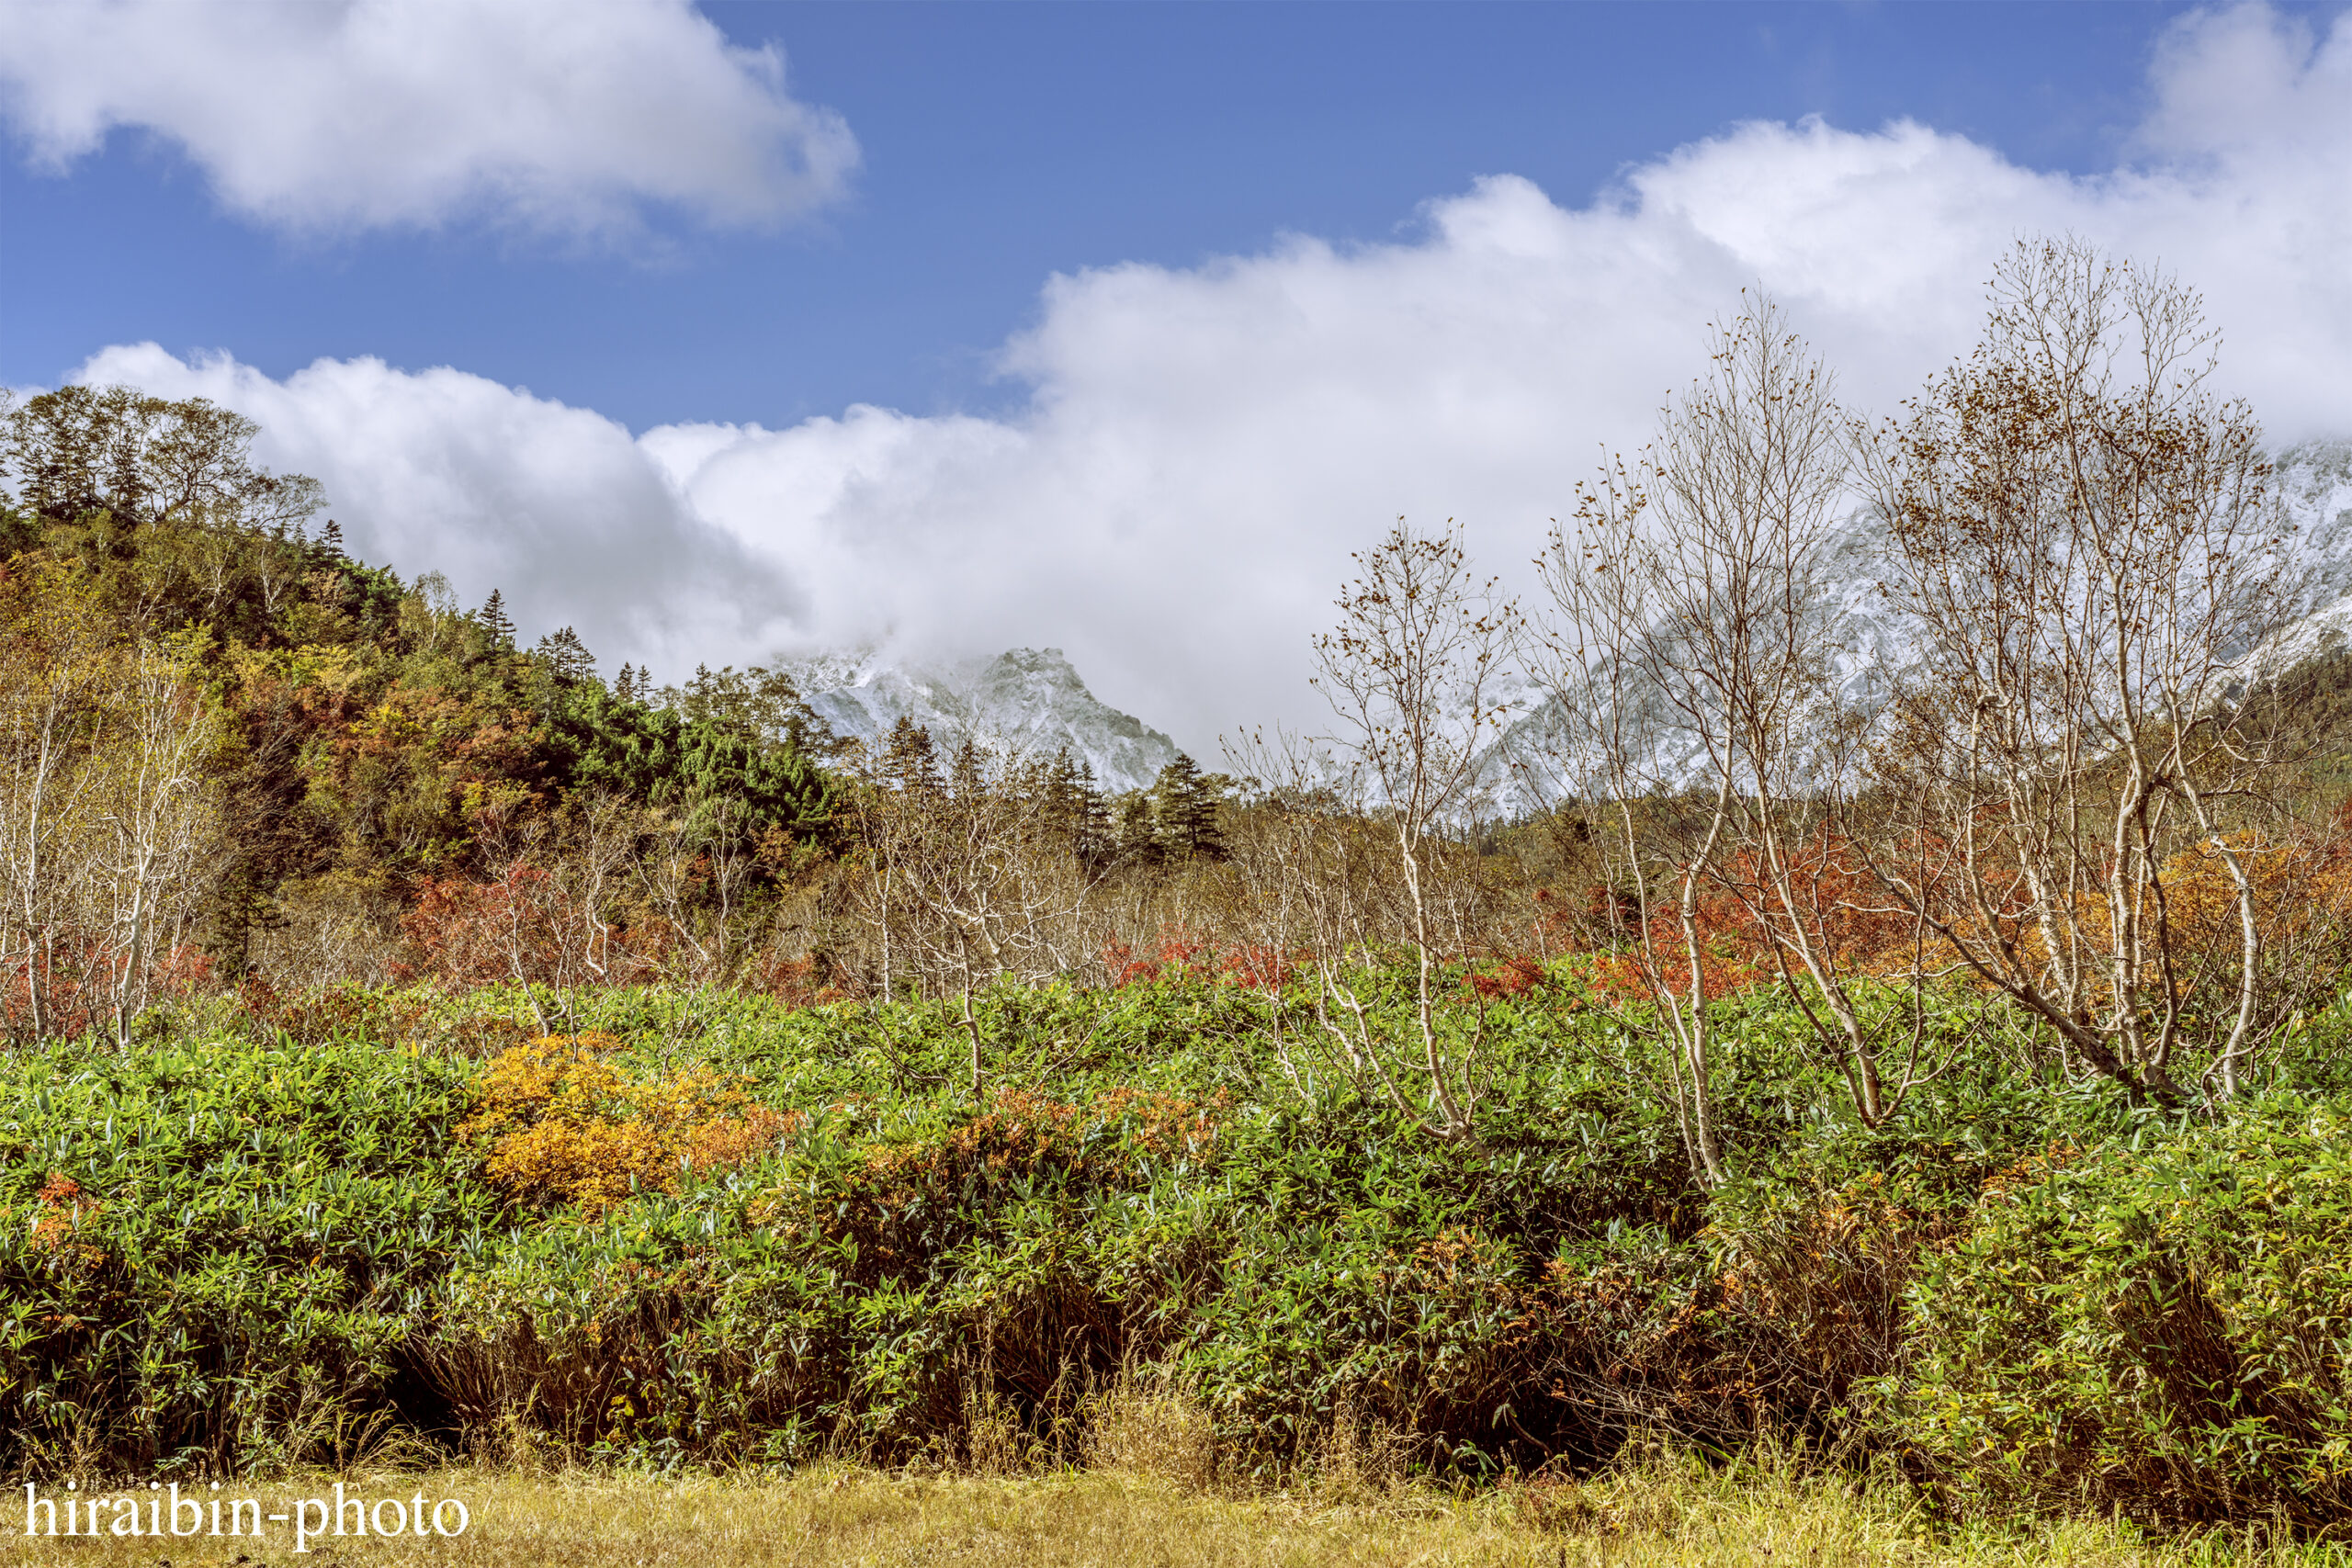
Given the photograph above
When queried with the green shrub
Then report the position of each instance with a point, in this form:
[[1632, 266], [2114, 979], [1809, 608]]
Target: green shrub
[[211, 1254], [232, 1249], [2160, 1325]]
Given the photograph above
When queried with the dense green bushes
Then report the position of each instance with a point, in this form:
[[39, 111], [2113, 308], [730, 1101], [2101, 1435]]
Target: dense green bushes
[[2162, 1326], [214, 1253], [236, 1247]]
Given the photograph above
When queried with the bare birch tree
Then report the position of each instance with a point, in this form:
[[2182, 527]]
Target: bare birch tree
[[1696, 714], [965, 879], [1411, 672], [2084, 529], [53, 653], [108, 814], [155, 828], [691, 866]]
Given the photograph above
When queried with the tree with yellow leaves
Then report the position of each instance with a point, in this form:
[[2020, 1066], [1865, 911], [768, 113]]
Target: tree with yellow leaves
[[108, 809]]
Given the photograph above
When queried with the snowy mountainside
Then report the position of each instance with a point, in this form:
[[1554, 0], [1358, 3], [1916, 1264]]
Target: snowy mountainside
[[1023, 701], [2315, 483], [1522, 771]]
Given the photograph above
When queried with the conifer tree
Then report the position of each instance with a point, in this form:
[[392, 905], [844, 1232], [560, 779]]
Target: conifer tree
[[1057, 797], [496, 621], [1090, 835], [966, 776], [909, 759], [759, 704], [1073, 809], [566, 656], [1135, 839], [1057, 793], [1183, 812]]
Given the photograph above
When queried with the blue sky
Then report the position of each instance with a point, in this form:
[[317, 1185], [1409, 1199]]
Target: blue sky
[[1005, 143], [979, 324]]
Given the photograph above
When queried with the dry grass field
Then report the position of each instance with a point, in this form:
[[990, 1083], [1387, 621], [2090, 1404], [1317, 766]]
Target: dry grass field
[[842, 1517]]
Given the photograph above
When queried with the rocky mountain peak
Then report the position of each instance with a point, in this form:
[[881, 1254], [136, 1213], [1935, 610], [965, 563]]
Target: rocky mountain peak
[[1022, 702]]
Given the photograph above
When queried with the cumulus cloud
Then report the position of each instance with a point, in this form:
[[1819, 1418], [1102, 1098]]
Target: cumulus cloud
[[1201, 448], [557, 507], [1205, 445], [326, 117], [2248, 86]]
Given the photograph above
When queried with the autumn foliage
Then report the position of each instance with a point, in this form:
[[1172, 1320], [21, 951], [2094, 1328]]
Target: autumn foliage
[[559, 1121]]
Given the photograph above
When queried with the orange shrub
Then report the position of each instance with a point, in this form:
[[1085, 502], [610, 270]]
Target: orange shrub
[[57, 1222], [1513, 977], [561, 1122]]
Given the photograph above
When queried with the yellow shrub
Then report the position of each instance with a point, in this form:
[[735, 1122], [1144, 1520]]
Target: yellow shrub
[[561, 1123]]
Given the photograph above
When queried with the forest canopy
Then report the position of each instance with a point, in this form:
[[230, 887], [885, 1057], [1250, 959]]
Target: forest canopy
[[356, 745]]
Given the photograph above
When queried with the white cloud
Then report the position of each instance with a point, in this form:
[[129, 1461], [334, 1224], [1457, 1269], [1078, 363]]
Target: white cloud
[[1202, 447], [337, 115], [557, 507], [2248, 86]]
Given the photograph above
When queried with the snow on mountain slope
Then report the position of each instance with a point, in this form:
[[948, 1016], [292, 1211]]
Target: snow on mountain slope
[[1871, 641], [2314, 482], [1024, 701], [1031, 702]]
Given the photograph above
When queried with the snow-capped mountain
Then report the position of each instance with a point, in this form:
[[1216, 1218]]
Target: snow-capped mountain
[[1024, 701], [2315, 482], [1523, 772], [1030, 700]]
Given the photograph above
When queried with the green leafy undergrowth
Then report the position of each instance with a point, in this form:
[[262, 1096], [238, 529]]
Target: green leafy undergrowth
[[212, 1254], [233, 1248], [2160, 1325]]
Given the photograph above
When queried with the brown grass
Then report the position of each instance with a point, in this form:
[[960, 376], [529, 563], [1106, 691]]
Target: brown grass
[[1663, 1516]]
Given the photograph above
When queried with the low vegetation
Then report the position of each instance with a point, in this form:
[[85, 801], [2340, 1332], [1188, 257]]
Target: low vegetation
[[1650, 1516], [732, 1233]]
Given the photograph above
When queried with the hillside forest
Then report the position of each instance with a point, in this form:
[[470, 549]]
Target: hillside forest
[[1930, 1058]]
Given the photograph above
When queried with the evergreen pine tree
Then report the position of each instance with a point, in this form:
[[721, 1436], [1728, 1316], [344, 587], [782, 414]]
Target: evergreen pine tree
[[909, 759], [496, 621], [759, 704], [804, 730], [1057, 804], [1135, 838], [565, 658], [1090, 835], [1073, 810], [966, 777], [331, 540], [625, 684], [1183, 812]]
